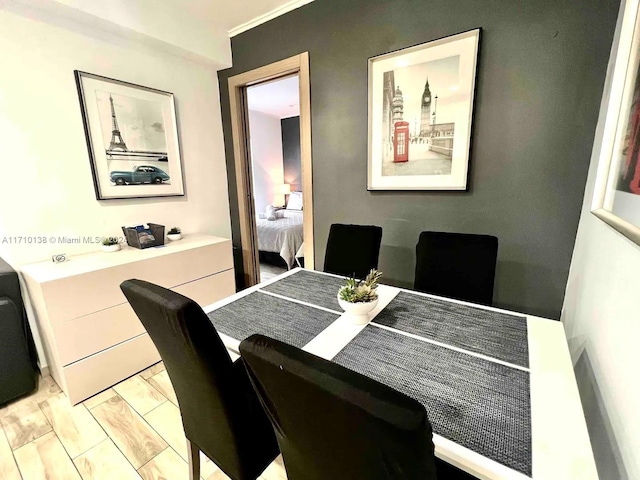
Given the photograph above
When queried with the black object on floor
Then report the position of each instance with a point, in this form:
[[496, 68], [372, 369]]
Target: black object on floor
[[479, 404], [272, 259], [18, 358], [457, 265]]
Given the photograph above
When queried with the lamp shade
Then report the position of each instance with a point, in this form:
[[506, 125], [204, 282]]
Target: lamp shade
[[285, 189]]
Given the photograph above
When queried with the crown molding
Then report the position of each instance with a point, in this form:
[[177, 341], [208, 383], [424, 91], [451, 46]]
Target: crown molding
[[276, 12]]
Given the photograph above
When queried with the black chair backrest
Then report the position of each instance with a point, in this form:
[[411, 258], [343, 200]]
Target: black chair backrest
[[333, 423], [457, 265], [221, 414], [352, 250]]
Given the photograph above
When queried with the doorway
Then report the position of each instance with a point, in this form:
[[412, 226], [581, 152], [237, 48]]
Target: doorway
[[285, 198]]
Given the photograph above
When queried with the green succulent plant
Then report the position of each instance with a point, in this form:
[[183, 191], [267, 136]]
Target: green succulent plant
[[108, 241], [174, 231], [361, 291]]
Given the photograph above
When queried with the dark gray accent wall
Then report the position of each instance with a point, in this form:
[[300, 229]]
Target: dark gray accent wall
[[291, 152], [540, 78]]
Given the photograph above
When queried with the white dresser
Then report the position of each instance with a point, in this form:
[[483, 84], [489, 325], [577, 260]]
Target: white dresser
[[91, 336]]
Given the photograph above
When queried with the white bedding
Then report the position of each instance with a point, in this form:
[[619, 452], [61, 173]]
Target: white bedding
[[282, 235]]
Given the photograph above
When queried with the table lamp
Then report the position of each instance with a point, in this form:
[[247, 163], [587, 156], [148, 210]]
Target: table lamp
[[285, 189]]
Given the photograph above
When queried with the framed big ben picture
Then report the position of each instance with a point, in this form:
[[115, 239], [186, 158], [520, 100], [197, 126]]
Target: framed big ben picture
[[420, 115]]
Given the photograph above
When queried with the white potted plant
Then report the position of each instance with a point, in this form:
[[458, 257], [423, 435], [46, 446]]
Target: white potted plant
[[359, 298], [110, 244], [174, 234]]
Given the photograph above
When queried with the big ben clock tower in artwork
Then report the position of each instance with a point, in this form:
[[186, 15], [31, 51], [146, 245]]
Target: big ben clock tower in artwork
[[425, 119]]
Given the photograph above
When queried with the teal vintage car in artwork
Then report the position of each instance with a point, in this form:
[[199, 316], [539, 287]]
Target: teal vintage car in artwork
[[141, 174]]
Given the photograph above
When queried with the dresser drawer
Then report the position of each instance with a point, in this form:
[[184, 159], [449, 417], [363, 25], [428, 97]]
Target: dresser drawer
[[102, 370], [79, 295], [84, 336], [208, 290]]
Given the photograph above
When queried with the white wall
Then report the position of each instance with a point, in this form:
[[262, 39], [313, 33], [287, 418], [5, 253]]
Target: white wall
[[176, 26], [46, 187], [266, 159], [601, 315], [171, 28]]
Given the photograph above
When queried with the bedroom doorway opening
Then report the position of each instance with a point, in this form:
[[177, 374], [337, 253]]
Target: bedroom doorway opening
[[271, 126], [276, 173]]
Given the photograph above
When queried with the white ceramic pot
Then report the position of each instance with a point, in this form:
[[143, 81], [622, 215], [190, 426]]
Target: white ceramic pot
[[110, 248], [174, 236], [358, 313]]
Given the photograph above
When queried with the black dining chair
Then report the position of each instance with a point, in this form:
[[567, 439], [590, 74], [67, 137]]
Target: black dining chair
[[333, 423], [352, 250], [457, 265], [221, 414]]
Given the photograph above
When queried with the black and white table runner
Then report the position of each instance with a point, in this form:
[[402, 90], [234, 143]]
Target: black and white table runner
[[277, 318], [467, 365], [477, 403]]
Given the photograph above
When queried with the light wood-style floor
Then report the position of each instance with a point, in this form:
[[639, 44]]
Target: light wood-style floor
[[268, 271], [130, 431]]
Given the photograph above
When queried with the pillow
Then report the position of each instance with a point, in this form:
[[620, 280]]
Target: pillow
[[295, 201], [271, 213]]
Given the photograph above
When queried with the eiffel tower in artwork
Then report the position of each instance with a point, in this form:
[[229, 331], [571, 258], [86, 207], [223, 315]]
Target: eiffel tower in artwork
[[117, 142]]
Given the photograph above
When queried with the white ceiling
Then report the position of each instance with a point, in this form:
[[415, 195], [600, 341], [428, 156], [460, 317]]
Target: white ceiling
[[196, 29], [235, 16], [280, 98]]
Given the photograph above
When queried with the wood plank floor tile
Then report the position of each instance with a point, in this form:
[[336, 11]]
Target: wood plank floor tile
[[8, 467], [162, 383], [139, 394], [131, 434], [219, 475], [152, 370], [76, 428], [105, 462], [99, 398], [46, 388], [167, 422], [23, 422], [167, 465], [45, 459], [275, 471]]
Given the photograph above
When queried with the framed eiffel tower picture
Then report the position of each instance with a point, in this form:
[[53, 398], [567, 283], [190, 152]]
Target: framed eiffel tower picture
[[132, 138]]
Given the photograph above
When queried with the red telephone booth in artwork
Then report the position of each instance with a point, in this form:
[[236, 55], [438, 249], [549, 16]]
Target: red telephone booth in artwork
[[401, 142]]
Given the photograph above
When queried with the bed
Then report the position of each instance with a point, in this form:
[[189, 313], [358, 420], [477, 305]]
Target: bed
[[282, 235]]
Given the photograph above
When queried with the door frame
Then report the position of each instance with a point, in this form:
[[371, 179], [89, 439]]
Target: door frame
[[298, 64]]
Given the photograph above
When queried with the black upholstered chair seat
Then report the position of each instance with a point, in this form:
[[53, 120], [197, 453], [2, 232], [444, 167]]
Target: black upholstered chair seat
[[221, 414]]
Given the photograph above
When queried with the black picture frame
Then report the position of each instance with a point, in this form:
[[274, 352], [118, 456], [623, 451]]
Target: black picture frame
[[130, 184]]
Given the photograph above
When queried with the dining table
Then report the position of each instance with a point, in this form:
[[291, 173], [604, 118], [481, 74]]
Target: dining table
[[498, 386]]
